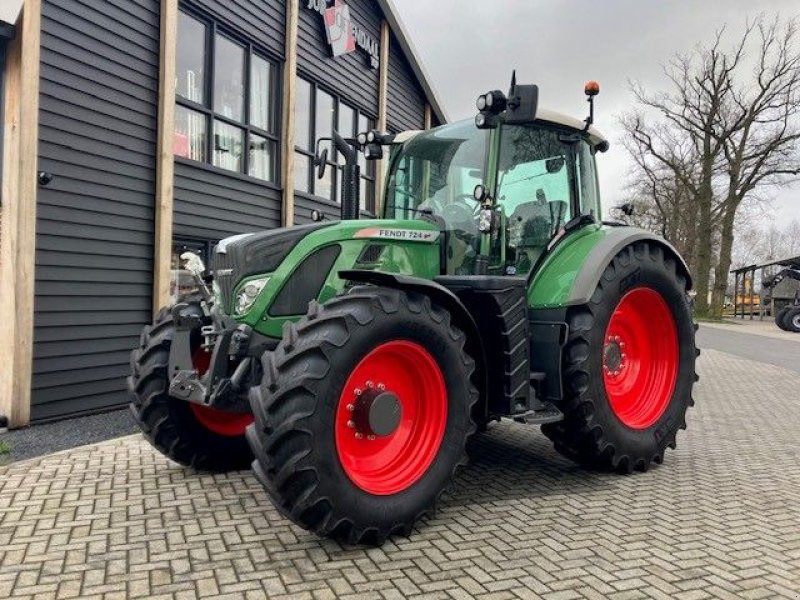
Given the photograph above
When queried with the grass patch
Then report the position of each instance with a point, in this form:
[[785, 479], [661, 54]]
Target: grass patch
[[4, 448]]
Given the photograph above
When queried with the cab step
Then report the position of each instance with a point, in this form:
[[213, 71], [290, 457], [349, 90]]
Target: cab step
[[549, 413]]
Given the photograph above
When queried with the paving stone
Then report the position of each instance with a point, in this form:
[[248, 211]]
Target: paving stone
[[718, 520]]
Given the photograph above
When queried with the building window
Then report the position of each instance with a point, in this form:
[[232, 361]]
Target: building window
[[317, 114], [226, 95]]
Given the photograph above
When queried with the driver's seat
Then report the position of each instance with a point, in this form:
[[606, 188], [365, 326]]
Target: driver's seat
[[539, 221]]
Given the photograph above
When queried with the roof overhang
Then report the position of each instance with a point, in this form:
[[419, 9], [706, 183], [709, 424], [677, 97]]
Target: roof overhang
[[403, 38], [793, 262], [9, 14], [10, 11]]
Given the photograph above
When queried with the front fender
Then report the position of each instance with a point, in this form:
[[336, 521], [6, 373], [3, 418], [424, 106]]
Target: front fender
[[570, 274]]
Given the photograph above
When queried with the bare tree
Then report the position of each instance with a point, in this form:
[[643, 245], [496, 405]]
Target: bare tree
[[725, 135]]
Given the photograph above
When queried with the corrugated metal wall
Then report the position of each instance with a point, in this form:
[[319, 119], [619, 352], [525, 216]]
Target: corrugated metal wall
[[99, 91], [213, 205], [406, 106]]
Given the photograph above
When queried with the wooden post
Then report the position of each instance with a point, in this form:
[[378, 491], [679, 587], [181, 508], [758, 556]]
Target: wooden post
[[752, 291], [428, 116], [18, 235], [165, 163], [288, 117], [383, 111], [735, 294]]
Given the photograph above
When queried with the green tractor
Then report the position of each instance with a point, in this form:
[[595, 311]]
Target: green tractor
[[350, 361]]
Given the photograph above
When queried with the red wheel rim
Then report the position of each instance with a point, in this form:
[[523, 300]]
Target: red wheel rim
[[640, 358], [220, 422], [388, 464]]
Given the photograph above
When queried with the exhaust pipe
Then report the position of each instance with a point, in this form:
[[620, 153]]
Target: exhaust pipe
[[351, 179]]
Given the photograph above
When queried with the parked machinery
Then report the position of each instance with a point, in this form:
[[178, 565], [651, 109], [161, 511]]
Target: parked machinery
[[788, 317]]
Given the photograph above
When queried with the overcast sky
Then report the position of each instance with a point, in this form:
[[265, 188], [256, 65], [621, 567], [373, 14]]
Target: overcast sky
[[471, 46]]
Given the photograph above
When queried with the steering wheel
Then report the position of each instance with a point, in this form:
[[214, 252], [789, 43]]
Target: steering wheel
[[462, 212]]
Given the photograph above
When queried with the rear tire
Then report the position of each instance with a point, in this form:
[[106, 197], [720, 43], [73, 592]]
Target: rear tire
[[622, 412], [792, 319], [309, 456], [175, 427]]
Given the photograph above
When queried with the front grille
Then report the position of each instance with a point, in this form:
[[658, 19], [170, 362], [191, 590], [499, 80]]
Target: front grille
[[256, 254], [225, 276]]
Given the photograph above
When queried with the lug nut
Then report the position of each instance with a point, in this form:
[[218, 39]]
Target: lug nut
[[351, 424], [359, 435], [381, 387], [370, 437], [370, 384], [358, 391], [350, 407]]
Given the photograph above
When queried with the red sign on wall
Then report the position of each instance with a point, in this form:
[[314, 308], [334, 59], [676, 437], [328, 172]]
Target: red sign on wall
[[339, 27], [345, 35]]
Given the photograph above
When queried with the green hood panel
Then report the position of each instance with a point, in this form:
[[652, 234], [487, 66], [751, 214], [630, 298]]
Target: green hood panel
[[395, 246]]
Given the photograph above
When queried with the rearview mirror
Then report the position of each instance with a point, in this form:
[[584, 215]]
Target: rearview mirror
[[321, 162], [523, 102]]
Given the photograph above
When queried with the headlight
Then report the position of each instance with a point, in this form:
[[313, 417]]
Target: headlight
[[248, 294]]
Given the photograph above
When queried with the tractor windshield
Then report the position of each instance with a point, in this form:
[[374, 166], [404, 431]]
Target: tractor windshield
[[435, 174]]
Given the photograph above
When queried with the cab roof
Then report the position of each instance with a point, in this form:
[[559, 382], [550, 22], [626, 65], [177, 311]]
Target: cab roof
[[543, 114]]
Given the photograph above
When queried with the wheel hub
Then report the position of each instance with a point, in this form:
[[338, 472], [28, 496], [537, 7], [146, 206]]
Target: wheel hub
[[391, 417], [614, 357], [640, 358], [375, 412]]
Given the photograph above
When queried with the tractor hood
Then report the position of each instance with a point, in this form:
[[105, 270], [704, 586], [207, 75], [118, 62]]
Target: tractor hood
[[292, 266], [242, 256]]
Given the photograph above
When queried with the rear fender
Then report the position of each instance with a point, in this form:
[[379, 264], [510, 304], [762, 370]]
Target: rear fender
[[569, 276]]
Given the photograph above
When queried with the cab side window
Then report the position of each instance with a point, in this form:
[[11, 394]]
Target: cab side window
[[534, 190], [587, 181]]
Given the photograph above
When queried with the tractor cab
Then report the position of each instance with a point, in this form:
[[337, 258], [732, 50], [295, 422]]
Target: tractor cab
[[505, 193]]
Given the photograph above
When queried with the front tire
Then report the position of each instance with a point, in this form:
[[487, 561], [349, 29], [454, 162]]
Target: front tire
[[328, 454], [629, 365], [191, 435]]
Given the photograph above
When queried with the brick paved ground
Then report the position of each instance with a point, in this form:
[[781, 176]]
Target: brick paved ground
[[721, 518]]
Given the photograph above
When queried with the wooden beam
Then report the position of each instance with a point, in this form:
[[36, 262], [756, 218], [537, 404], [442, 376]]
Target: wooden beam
[[165, 162], [288, 117], [428, 116], [383, 110], [18, 235]]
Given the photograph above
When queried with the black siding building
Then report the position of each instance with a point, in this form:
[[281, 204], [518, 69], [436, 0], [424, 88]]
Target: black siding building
[[163, 127]]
